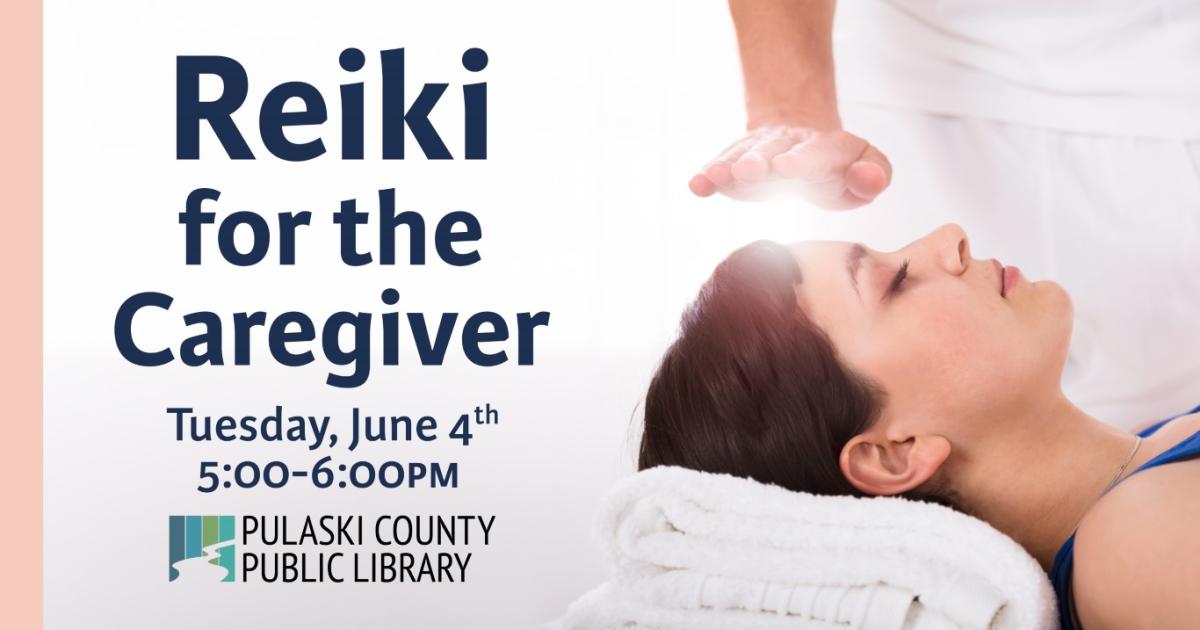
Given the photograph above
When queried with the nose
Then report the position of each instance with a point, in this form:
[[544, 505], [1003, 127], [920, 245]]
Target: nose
[[949, 248]]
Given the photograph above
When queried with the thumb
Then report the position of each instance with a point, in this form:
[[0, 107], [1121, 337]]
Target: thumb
[[869, 175]]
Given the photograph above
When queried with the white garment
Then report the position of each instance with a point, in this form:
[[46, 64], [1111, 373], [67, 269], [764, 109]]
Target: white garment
[[1115, 220], [1065, 137], [695, 550], [1107, 66]]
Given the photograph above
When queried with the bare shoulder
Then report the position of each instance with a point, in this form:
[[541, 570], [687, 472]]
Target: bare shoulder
[[1137, 558], [1183, 425]]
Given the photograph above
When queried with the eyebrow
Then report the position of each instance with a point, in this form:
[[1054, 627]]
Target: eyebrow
[[854, 257]]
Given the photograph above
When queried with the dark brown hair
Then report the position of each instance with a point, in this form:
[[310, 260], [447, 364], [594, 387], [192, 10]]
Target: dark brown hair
[[752, 387]]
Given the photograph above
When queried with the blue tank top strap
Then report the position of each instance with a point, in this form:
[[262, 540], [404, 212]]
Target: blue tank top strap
[[1064, 560], [1147, 432]]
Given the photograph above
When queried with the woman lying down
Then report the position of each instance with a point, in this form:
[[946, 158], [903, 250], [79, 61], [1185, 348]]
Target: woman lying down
[[831, 368]]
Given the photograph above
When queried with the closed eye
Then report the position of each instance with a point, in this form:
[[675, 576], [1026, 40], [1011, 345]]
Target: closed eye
[[897, 281]]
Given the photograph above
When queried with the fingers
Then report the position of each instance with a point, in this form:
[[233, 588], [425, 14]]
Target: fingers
[[837, 171], [870, 175], [834, 170], [755, 163], [819, 158], [743, 163], [702, 186], [717, 175]]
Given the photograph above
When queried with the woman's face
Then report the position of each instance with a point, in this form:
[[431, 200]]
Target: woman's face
[[953, 341]]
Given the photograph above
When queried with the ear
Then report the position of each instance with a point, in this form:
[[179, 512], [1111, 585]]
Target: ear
[[878, 466]]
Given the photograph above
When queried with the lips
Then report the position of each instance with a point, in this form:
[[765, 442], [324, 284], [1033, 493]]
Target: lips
[[1006, 277], [1000, 276], [1012, 275]]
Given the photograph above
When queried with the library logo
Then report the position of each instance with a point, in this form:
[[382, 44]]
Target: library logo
[[202, 548]]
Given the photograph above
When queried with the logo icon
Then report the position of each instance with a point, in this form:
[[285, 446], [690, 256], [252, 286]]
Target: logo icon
[[202, 548]]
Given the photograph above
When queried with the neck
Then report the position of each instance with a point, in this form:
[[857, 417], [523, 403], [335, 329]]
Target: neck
[[1040, 475]]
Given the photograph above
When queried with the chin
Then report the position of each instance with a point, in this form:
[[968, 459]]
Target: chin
[[1058, 312], [1059, 301]]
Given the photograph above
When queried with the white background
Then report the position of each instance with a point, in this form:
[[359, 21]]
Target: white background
[[599, 113]]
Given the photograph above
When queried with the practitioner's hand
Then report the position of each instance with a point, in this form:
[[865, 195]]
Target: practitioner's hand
[[832, 169]]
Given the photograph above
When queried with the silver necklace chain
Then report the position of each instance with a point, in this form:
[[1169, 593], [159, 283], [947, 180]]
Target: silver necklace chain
[[1137, 443], [1129, 458]]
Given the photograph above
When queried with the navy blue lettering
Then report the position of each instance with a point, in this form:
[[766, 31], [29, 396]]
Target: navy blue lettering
[[190, 110], [272, 119], [123, 329], [415, 118]]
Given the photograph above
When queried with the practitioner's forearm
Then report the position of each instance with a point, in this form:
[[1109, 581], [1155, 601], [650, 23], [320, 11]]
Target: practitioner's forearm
[[786, 49]]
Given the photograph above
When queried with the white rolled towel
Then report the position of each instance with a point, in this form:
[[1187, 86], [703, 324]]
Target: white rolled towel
[[696, 550]]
